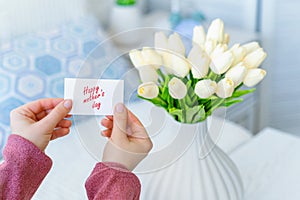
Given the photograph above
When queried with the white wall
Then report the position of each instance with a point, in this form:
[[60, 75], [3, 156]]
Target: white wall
[[280, 30]]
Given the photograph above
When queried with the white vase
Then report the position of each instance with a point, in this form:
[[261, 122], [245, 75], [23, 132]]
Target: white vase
[[190, 167], [123, 19]]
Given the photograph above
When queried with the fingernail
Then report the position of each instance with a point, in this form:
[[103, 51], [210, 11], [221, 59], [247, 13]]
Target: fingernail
[[119, 108], [68, 104]]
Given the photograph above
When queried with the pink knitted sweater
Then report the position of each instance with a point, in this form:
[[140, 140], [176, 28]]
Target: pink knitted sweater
[[25, 167]]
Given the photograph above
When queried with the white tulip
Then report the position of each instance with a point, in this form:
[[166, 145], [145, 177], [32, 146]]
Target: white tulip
[[180, 66], [237, 74], [216, 31], [238, 53], [199, 35], [148, 90], [205, 88], [148, 73], [136, 58], [175, 44], [199, 62], [209, 46], [219, 49], [151, 57], [177, 88], [251, 46], [160, 42], [255, 58], [167, 62], [225, 88], [221, 63], [254, 76]]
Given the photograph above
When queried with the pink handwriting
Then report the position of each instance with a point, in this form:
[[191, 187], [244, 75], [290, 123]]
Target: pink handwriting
[[93, 94]]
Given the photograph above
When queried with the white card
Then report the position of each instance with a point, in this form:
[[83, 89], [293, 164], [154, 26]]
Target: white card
[[94, 96]]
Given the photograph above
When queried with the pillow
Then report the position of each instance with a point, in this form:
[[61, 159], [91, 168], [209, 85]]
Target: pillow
[[34, 66]]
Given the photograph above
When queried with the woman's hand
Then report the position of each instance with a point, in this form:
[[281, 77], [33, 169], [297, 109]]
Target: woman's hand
[[42, 120], [128, 142]]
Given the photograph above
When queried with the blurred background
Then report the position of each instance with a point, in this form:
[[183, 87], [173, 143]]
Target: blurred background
[[43, 42]]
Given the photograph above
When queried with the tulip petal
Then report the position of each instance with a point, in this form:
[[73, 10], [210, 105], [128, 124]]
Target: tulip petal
[[251, 46], [237, 74], [175, 44], [160, 42], [255, 58], [148, 74], [238, 53], [205, 88], [254, 76], [136, 58], [221, 63], [199, 35], [199, 62], [225, 88], [180, 66], [216, 31], [148, 90], [151, 57], [177, 89]]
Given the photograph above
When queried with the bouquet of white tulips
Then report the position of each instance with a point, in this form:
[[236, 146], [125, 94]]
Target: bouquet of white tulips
[[191, 87]]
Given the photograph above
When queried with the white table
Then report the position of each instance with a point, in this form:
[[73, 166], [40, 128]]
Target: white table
[[270, 166]]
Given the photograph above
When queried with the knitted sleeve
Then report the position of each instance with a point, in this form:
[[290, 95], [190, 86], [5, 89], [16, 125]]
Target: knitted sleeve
[[23, 170], [112, 181]]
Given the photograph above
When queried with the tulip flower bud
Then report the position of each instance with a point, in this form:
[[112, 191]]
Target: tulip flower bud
[[148, 90], [226, 38], [237, 74], [177, 88], [160, 42], [216, 31], [209, 46], [199, 35], [205, 88], [225, 88], [255, 58], [221, 63], [254, 76], [219, 49], [151, 57], [199, 62], [238, 53], [136, 58], [175, 44], [251, 46], [180, 66], [148, 74]]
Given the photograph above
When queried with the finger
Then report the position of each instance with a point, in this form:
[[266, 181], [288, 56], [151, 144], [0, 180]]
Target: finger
[[43, 104], [106, 133], [107, 123], [120, 123], [56, 115], [60, 132], [110, 117], [64, 123], [137, 128]]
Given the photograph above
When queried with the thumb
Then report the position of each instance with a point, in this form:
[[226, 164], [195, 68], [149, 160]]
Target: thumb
[[57, 114], [120, 122]]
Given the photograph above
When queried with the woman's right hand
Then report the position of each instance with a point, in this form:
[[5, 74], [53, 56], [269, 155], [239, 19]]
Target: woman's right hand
[[128, 142]]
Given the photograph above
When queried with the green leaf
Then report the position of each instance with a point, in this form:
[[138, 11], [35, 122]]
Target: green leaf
[[228, 103], [195, 114], [177, 113], [156, 101], [240, 93]]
